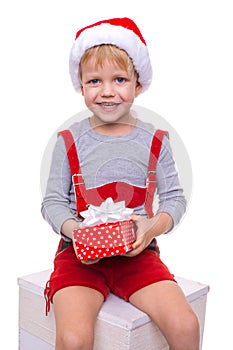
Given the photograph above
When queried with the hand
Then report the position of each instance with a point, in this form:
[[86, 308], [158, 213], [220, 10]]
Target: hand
[[144, 234], [90, 262], [147, 229]]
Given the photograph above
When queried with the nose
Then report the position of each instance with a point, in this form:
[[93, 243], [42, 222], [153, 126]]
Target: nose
[[107, 90]]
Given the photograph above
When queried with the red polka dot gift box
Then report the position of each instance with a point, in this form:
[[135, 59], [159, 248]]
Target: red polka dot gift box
[[104, 240]]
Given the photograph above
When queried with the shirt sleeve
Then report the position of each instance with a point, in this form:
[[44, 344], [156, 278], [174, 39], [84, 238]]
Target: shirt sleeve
[[169, 190], [57, 204]]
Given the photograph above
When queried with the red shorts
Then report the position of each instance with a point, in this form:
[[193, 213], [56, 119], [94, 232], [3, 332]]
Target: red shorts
[[120, 275]]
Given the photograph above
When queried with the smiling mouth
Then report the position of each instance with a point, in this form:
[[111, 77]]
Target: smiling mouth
[[108, 104]]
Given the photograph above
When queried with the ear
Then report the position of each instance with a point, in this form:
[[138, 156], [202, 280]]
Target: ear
[[138, 89], [82, 90]]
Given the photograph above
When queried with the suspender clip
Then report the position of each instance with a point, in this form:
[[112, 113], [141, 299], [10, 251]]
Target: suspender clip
[[151, 178], [76, 179]]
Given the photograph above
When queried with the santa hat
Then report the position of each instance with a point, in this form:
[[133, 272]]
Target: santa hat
[[121, 32]]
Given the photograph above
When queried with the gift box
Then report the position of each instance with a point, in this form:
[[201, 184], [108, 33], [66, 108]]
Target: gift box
[[106, 231], [104, 240]]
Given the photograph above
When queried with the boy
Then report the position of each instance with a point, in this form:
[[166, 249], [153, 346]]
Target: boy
[[110, 66]]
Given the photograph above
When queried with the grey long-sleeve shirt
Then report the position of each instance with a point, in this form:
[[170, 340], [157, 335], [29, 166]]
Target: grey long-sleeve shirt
[[104, 159]]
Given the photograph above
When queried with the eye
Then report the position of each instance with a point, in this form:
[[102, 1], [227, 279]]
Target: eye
[[120, 80], [94, 81]]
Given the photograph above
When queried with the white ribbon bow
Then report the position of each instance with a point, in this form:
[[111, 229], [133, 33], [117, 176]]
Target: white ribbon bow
[[108, 211]]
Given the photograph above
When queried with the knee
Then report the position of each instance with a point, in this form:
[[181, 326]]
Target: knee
[[187, 331], [71, 340], [191, 326]]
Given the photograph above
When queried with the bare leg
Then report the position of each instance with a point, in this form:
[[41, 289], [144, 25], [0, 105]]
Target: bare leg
[[166, 304], [76, 309]]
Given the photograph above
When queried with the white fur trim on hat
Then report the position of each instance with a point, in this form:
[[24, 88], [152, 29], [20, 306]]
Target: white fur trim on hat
[[120, 36]]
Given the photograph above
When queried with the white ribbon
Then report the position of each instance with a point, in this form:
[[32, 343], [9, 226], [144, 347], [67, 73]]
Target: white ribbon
[[107, 212]]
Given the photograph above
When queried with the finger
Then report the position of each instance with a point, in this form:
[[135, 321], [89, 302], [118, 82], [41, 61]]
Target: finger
[[133, 252], [136, 244], [135, 217], [129, 254], [89, 262]]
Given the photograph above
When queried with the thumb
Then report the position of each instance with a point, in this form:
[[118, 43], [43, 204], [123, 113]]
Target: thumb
[[135, 217]]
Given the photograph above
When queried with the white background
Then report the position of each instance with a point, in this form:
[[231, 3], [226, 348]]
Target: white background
[[190, 43]]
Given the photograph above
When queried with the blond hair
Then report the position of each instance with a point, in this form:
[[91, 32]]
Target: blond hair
[[113, 54]]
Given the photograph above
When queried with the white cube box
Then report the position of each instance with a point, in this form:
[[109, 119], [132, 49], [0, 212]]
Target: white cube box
[[120, 326]]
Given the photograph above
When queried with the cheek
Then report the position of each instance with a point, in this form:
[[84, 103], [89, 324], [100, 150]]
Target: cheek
[[131, 91], [85, 93], [89, 97], [87, 100], [129, 94]]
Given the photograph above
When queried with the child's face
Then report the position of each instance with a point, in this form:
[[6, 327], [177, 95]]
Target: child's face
[[109, 91]]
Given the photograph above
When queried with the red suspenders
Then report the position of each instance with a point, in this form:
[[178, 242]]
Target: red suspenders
[[151, 178], [78, 182]]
